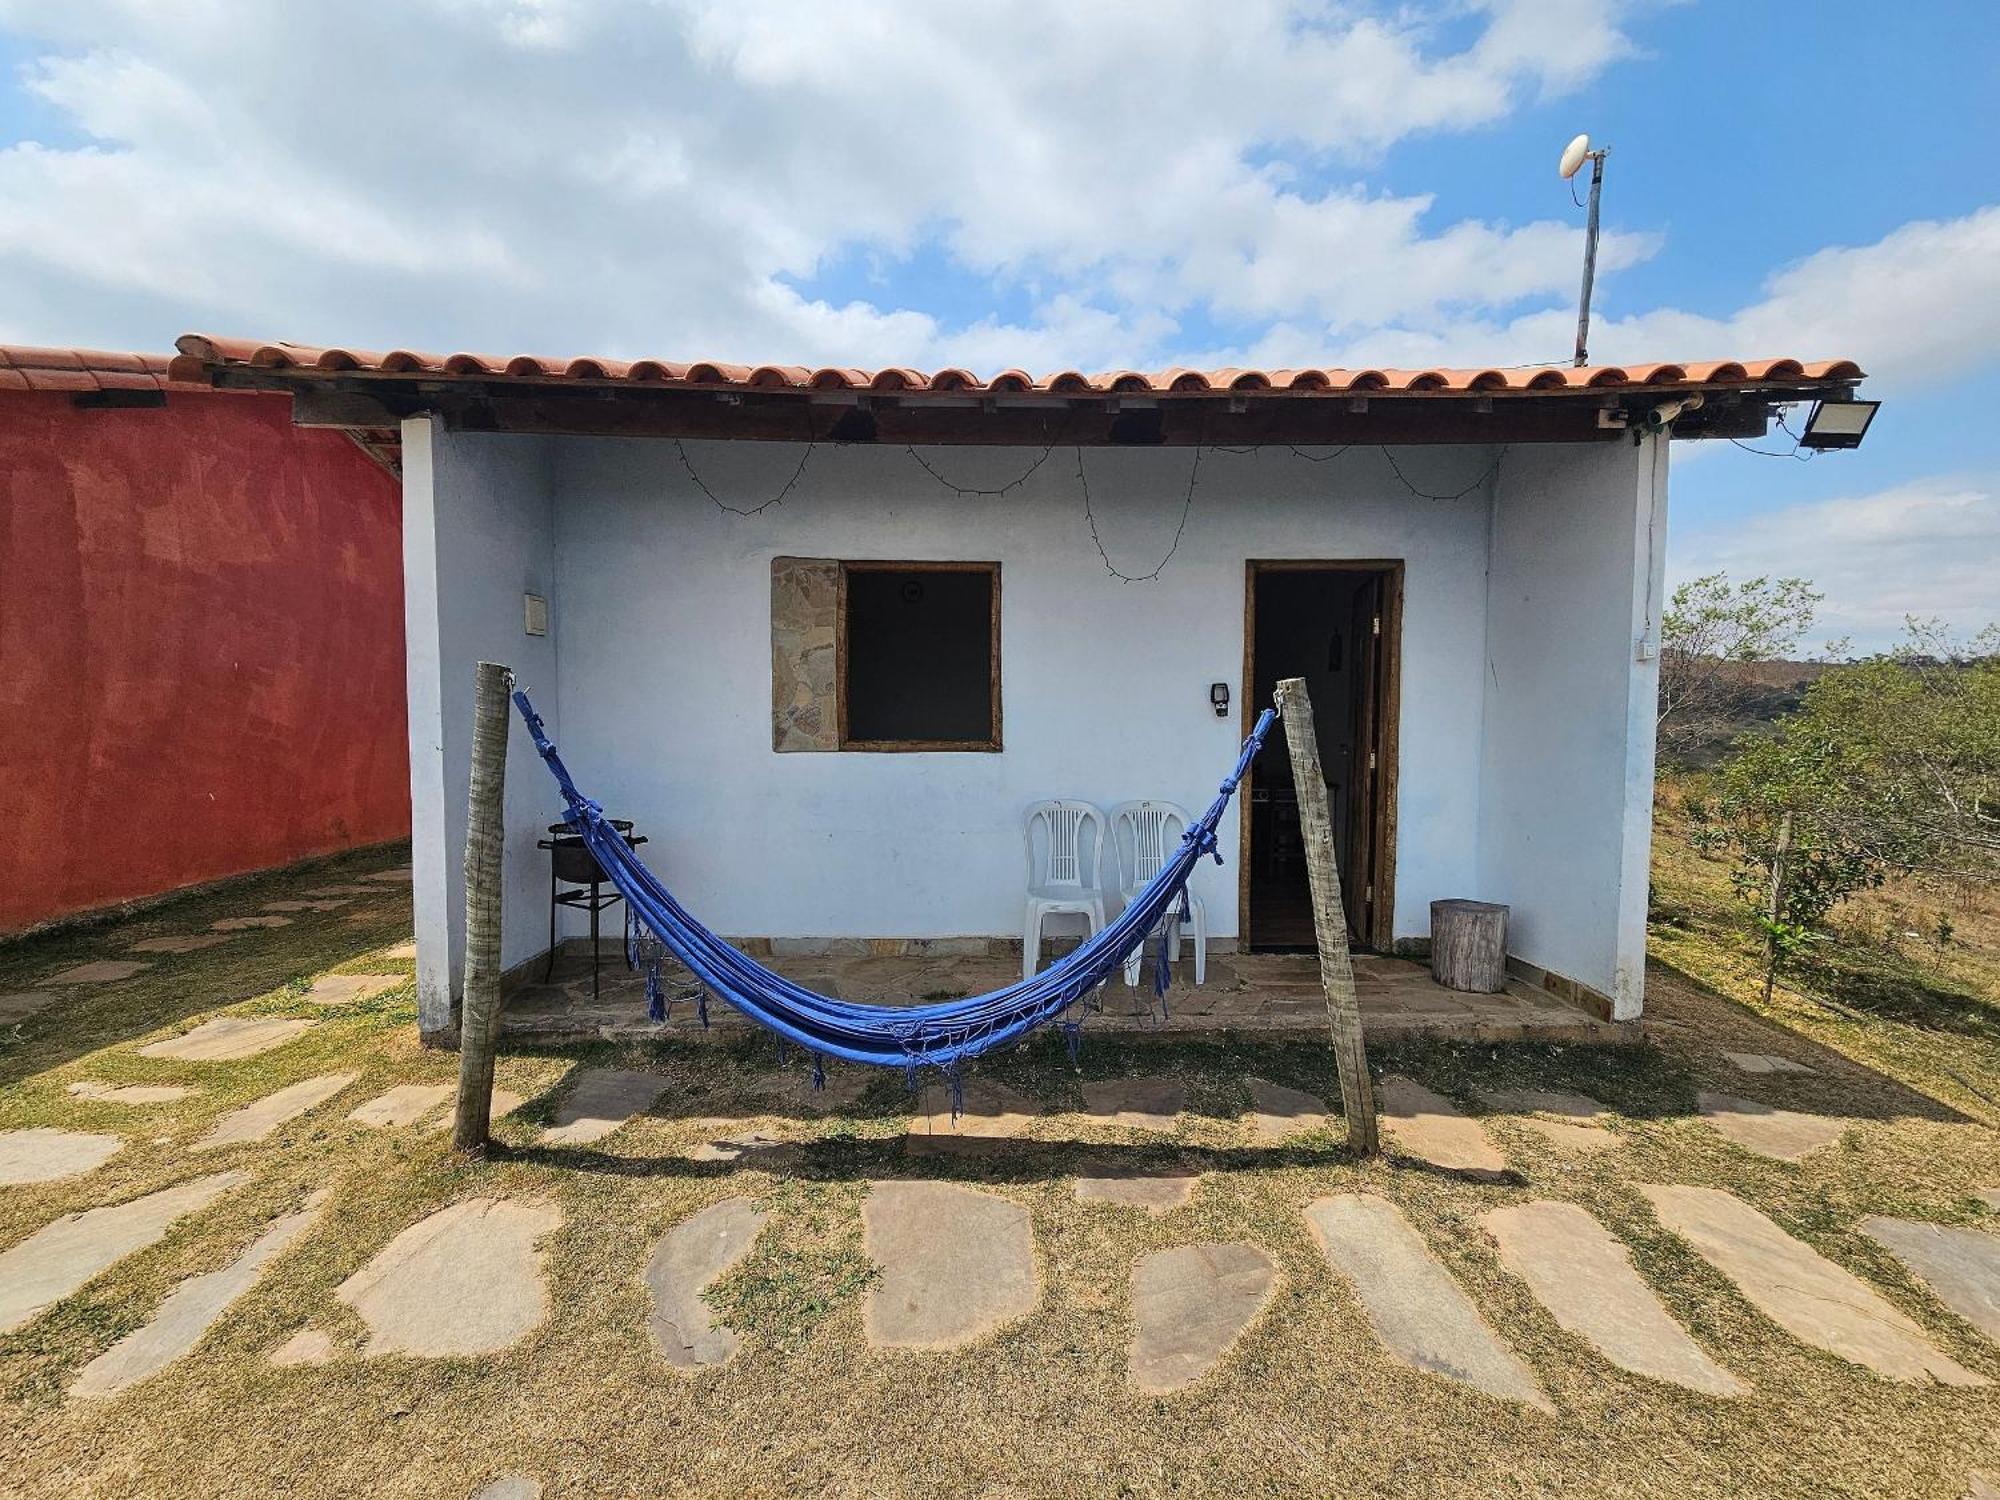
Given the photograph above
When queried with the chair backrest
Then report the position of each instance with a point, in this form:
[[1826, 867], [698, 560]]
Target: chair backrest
[[1145, 835], [1069, 829]]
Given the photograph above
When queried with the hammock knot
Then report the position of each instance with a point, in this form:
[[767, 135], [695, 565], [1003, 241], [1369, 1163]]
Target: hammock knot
[[1202, 837]]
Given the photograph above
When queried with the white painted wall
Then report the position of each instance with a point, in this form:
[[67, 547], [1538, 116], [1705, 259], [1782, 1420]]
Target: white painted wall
[[665, 671], [478, 533], [1566, 776]]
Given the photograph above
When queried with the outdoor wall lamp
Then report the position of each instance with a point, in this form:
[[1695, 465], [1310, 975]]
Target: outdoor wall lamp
[[1838, 424], [1218, 695]]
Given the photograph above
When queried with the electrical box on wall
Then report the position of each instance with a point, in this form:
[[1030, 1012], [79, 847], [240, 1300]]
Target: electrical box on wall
[[535, 614]]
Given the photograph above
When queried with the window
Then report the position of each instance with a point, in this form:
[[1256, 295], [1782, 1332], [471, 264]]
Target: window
[[919, 656]]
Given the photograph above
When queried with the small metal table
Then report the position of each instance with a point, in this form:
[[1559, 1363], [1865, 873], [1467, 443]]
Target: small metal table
[[572, 863]]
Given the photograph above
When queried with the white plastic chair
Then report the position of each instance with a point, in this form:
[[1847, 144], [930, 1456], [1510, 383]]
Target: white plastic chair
[[1152, 831], [1057, 878]]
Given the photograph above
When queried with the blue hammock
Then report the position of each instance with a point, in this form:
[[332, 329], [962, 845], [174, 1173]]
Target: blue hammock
[[939, 1035]]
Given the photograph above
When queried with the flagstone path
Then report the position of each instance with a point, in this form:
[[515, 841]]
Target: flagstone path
[[344, 989], [509, 1487], [186, 942], [1415, 1307], [956, 1264], [505, 1102], [1154, 1192], [1783, 1134], [1962, 1266], [1990, 1197], [256, 1120], [1799, 1289], [988, 1112], [60, 1257], [689, 1259], [466, 1280], [1136, 1103], [129, 1093], [1577, 1125], [101, 971], [309, 1346], [1765, 1062], [402, 950], [346, 888], [22, 1004], [752, 1146], [245, 923], [1429, 1126], [333, 903], [601, 1100], [229, 1038], [1189, 1305], [191, 1309], [1278, 1113], [43, 1154], [1584, 1277], [405, 1104]]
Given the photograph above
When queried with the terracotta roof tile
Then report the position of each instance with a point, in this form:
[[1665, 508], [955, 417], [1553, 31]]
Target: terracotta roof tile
[[201, 354], [70, 370]]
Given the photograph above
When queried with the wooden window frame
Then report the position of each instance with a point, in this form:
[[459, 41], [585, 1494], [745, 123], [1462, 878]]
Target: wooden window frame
[[895, 747]]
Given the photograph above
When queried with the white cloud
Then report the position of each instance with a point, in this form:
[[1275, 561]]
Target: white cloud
[[1926, 548], [566, 175]]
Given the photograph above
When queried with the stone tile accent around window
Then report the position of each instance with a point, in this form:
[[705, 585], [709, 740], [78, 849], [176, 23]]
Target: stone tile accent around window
[[805, 603]]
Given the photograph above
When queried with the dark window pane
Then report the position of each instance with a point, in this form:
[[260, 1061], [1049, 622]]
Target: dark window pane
[[920, 655]]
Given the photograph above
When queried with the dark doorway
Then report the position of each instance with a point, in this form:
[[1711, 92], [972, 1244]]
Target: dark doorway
[[1336, 625]]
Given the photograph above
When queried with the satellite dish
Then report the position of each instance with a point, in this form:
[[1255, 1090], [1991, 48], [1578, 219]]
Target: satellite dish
[[1572, 157]]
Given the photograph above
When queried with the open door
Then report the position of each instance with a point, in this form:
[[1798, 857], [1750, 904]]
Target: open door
[[1335, 625]]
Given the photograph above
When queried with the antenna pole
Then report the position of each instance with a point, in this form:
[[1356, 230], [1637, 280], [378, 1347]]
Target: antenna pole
[[1589, 258]]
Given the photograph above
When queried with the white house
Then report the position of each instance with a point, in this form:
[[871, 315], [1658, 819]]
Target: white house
[[824, 634]]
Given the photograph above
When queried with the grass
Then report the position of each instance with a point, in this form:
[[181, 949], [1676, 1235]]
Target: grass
[[1306, 1404]]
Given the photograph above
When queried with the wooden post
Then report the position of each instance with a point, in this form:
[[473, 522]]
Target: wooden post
[[1336, 968], [485, 830], [1774, 903]]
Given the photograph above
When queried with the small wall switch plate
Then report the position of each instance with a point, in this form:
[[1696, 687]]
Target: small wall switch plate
[[535, 614], [1647, 650]]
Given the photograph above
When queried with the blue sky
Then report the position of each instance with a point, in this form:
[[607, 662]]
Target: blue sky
[[1058, 185]]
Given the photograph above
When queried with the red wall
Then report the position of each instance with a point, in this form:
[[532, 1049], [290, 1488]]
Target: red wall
[[201, 648]]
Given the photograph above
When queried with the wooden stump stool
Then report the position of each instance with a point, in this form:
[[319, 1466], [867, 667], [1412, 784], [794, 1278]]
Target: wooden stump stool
[[1469, 945]]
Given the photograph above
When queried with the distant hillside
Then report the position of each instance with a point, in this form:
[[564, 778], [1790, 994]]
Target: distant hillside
[[1766, 692]]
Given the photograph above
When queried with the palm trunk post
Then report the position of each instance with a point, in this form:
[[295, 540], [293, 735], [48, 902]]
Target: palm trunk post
[[1336, 967], [485, 831]]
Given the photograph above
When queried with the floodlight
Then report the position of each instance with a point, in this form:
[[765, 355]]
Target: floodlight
[[1838, 424]]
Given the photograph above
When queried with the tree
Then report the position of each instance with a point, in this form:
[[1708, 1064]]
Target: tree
[[1890, 766], [1710, 626]]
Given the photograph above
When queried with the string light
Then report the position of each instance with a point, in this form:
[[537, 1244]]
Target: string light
[[1090, 519], [738, 510]]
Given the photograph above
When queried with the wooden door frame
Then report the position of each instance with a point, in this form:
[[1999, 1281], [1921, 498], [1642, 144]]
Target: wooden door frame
[[1380, 934]]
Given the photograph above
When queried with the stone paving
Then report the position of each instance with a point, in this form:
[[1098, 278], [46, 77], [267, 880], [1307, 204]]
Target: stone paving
[[1278, 1113], [1584, 1277], [100, 971], [259, 1118], [1189, 1304], [190, 1310], [1417, 1310], [43, 1154], [1136, 1103], [1251, 992], [1155, 1192], [987, 1112], [186, 942], [133, 1095], [1961, 1266], [60, 1257], [1764, 1062], [229, 1039], [688, 1260], [1783, 1134], [345, 989], [247, 922], [1430, 1127], [1806, 1294], [956, 1264], [21, 1004], [599, 1101], [405, 1104], [466, 1280]]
